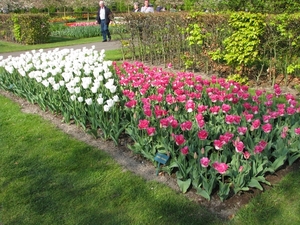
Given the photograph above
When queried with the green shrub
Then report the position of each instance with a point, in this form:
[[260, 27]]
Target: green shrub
[[31, 28]]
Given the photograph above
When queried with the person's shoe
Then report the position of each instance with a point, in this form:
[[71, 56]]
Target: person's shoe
[[104, 41], [109, 39]]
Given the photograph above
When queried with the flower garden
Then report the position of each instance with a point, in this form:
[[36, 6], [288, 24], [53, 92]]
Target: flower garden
[[218, 136]]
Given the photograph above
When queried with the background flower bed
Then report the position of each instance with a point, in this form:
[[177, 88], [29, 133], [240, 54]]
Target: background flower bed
[[219, 137]]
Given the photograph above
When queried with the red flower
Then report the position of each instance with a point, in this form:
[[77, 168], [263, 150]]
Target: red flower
[[297, 131], [226, 108], [190, 105], [239, 145], [214, 109], [260, 147], [290, 110], [218, 144], [204, 161], [170, 99], [242, 130], [229, 119], [185, 150], [143, 124], [131, 103], [255, 124], [150, 131], [202, 108], [202, 134], [267, 127], [248, 116], [164, 122], [220, 167], [266, 118], [179, 139], [186, 125], [246, 155]]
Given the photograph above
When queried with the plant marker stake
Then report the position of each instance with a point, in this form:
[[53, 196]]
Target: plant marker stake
[[161, 159]]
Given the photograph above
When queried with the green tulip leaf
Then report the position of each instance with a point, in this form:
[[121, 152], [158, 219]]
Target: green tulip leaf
[[203, 193], [184, 185], [254, 183], [278, 162]]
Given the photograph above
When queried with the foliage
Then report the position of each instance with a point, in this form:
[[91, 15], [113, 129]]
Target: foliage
[[31, 28], [243, 45], [238, 78], [219, 138]]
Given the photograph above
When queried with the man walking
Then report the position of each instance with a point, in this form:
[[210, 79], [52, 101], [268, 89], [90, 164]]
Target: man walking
[[104, 16]]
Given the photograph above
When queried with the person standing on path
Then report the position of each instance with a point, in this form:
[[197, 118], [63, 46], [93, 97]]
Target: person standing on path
[[104, 16], [147, 8], [136, 7]]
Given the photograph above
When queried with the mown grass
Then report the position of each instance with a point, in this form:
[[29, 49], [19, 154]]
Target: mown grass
[[279, 205], [47, 177]]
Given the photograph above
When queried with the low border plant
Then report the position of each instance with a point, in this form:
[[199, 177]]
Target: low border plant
[[219, 138]]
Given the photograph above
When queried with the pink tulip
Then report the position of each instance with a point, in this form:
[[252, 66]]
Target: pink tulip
[[202, 134], [186, 125], [190, 106], [242, 130], [202, 108], [204, 161], [179, 139], [239, 145], [131, 103], [143, 124], [267, 128], [297, 131], [218, 144], [246, 155], [220, 167], [185, 150], [214, 109], [226, 108], [150, 131], [255, 124]]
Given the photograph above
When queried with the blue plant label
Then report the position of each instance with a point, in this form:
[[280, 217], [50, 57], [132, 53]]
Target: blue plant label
[[161, 158]]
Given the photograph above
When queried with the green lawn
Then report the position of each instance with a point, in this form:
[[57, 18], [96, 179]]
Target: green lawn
[[47, 177]]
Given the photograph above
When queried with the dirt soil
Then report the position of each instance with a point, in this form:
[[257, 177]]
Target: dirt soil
[[145, 169]]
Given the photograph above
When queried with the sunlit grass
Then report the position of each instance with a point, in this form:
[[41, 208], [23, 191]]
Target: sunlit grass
[[47, 177]]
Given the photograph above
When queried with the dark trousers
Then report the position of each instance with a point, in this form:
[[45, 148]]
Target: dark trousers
[[104, 30]]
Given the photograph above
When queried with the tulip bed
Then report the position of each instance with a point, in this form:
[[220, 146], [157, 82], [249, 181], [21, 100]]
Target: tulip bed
[[219, 137]]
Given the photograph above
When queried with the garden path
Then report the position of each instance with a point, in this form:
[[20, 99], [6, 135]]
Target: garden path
[[111, 45]]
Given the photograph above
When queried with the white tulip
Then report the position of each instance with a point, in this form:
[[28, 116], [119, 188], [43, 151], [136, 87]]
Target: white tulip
[[100, 100], [80, 99], [106, 108], [73, 97], [116, 98], [88, 101], [110, 102], [45, 83], [77, 90]]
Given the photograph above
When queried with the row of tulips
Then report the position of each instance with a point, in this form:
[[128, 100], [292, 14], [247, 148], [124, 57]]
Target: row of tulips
[[219, 137], [81, 24]]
